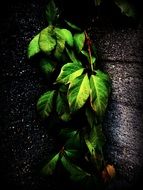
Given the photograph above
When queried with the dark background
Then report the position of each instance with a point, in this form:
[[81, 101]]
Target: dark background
[[24, 142]]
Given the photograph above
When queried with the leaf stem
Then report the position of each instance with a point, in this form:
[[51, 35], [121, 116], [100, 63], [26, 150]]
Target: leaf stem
[[88, 41]]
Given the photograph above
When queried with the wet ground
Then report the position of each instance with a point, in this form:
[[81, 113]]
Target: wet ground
[[24, 142]]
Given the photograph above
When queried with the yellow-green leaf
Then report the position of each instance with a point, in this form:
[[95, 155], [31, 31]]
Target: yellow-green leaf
[[60, 46], [78, 92], [99, 95], [65, 35], [45, 103], [33, 47], [69, 72], [47, 41], [105, 77], [79, 40]]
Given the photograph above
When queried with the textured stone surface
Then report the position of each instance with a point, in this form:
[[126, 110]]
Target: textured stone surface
[[24, 142], [121, 53]]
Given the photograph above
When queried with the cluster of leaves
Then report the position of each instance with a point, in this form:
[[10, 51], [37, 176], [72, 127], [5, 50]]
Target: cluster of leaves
[[78, 90], [125, 6]]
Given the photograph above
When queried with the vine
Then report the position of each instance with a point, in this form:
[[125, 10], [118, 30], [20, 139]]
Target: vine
[[77, 98]]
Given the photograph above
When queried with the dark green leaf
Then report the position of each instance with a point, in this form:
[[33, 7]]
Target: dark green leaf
[[33, 47], [47, 66], [51, 12], [103, 76], [62, 107], [126, 7], [91, 116], [97, 2], [69, 72], [79, 40], [68, 133], [76, 173], [63, 88], [94, 142], [71, 153], [45, 103], [93, 59], [71, 55], [60, 46], [65, 116], [74, 142], [49, 168], [99, 95], [90, 147], [72, 25], [78, 92], [47, 40], [96, 137]]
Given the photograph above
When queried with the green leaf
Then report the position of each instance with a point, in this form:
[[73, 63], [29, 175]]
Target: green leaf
[[74, 141], [95, 140], [72, 153], [91, 116], [99, 95], [66, 35], [76, 173], [49, 168], [90, 147], [51, 12], [69, 72], [73, 26], [105, 77], [65, 116], [68, 133], [60, 46], [125, 7], [79, 40], [78, 92], [62, 107], [45, 103], [47, 41], [71, 55], [47, 66], [88, 57], [33, 47], [63, 88], [96, 137]]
